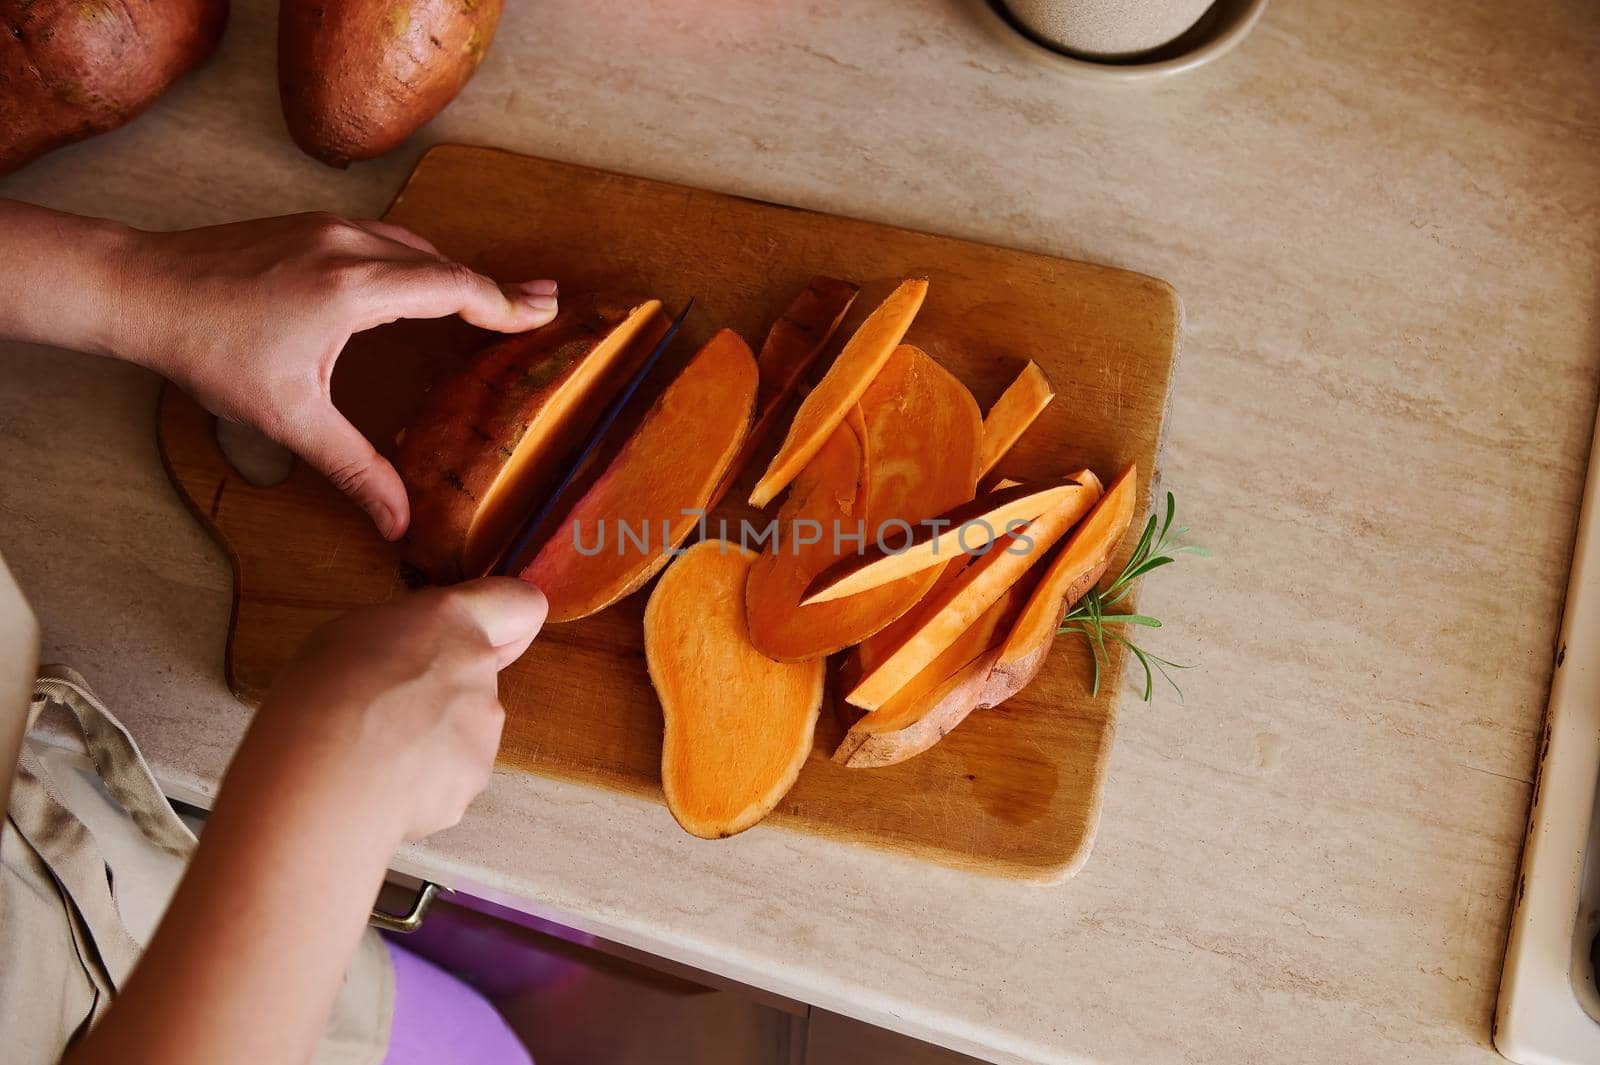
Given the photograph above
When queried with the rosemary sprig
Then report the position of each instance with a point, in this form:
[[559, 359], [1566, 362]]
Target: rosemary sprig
[[1159, 546]]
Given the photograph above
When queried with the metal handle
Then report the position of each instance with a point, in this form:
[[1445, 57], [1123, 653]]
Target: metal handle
[[411, 921]]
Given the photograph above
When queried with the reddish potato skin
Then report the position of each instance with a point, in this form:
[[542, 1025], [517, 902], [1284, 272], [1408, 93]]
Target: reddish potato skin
[[357, 77], [71, 69]]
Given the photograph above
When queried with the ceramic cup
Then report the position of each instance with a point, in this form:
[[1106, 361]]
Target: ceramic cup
[[1108, 29]]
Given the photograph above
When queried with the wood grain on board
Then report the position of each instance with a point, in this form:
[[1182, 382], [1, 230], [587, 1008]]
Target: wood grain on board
[[1012, 792]]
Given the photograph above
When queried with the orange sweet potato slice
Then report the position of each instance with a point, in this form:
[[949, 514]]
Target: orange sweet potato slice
[[671, 464], [935, 700], [829, 493], [982, 582], [1016, 409], [1079, 565], [738, 725], [840, 388], [967, 529], [792, 345], [913, 455], [490, 441]]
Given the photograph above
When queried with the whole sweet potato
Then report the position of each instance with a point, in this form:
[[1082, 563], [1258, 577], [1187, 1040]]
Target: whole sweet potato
[[71, 69], [357, 77]]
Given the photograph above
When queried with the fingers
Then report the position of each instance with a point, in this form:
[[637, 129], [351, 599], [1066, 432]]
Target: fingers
[[337, 450], [398, 234], [511, 612], [429, 288]]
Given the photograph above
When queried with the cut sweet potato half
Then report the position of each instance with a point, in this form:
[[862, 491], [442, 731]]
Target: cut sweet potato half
[[1077, 567], [937, 699], [964, 530], [982, 582], [1018, 406], [671, 463], [792, 345], [490, 441], [825, 409], [916, 450], [738, 725]]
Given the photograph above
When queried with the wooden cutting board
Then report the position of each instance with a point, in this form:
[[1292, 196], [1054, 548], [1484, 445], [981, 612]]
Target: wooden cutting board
[[1012, 792]]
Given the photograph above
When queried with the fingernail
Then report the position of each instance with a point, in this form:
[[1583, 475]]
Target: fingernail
[[382, 517], [540, 288], [540, 303]]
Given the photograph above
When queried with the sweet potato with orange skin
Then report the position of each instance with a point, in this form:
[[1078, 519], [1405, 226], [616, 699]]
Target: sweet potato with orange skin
[[846, 381], [1077, 567], [921, 431], [738, 725], [958, 532], [792, 345], [937, 699], [671, 463], [1017, 408], [357, 77], [72, 69], [981, 584], [490, 441]]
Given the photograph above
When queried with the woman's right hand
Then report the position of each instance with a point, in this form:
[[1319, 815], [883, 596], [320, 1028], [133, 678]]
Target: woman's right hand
[[383, 729], [396, 707]]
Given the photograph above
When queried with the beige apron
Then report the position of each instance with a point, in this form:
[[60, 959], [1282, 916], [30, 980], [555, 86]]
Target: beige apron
[[90, 854]]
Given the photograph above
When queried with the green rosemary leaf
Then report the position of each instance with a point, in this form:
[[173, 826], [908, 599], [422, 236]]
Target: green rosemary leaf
[[1092, 617], [1130, 619]]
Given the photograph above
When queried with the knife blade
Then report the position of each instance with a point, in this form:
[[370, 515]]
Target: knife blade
[[530, 528]]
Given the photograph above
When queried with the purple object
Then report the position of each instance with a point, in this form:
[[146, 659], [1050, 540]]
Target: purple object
[[439, 1020]]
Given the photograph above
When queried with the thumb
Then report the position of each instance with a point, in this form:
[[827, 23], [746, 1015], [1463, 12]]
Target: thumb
[[510, 611], [435, 288], [337, 450]]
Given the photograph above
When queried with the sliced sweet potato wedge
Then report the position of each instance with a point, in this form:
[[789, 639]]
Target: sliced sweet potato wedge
[[935, 700], [840, 388], [918, 441], [738, 725], [967, 529], [490, 440], [982, 582], [873, 650], [671, 463], [1018, 406], [792, 345], [1077, 567], [932, 719]]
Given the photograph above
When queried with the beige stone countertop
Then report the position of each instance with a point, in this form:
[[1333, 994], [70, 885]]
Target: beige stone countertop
[[1381, 218]]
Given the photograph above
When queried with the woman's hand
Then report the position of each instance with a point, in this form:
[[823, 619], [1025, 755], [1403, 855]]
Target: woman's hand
[[397, 706], [383, 729], [248, 317]]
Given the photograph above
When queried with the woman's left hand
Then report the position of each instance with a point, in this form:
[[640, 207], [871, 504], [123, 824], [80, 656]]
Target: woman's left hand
[[250, 318]]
